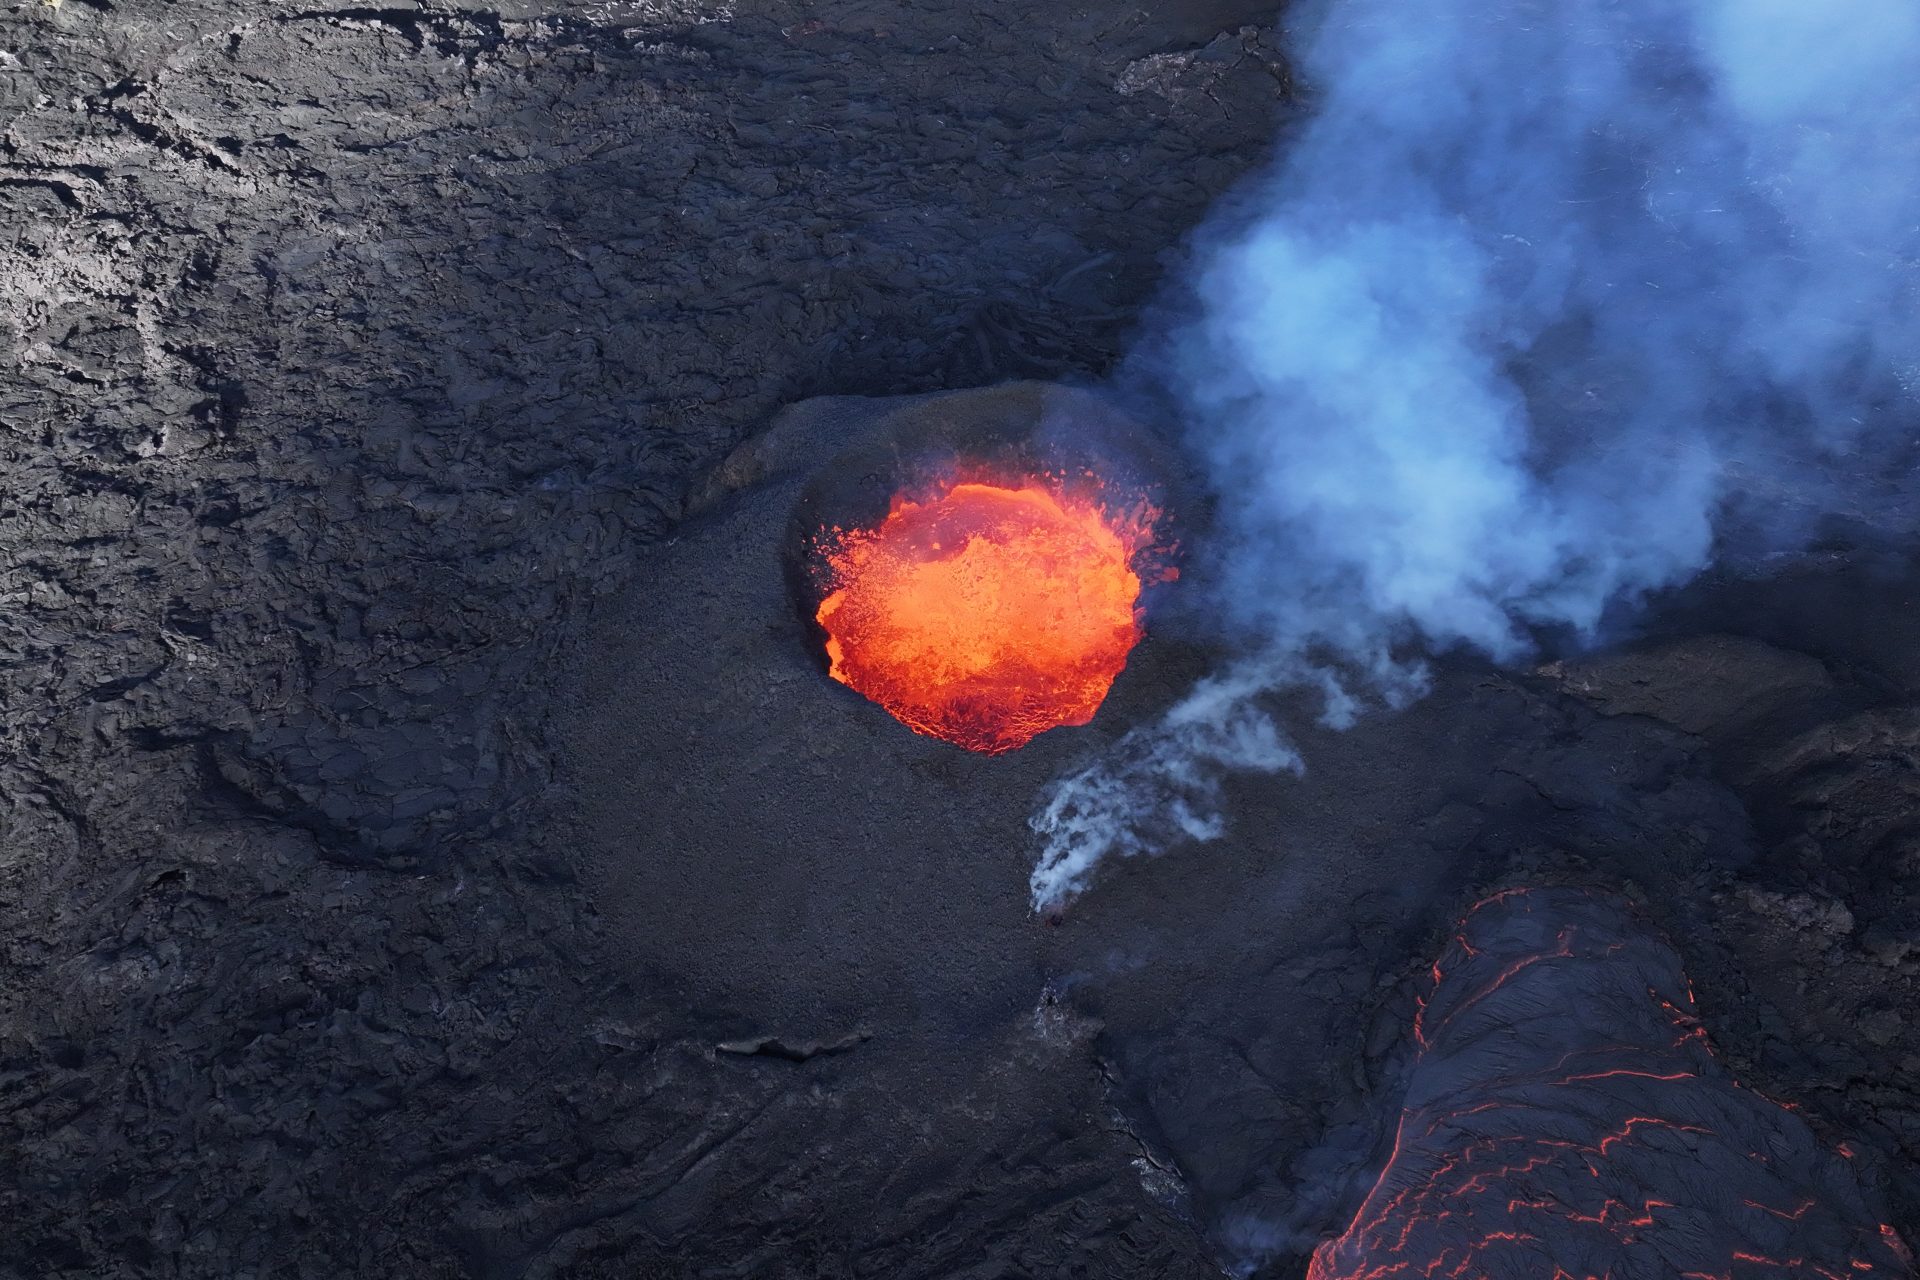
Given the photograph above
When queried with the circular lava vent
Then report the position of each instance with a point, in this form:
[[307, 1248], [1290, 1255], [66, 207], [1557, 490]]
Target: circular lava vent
[[982, 567]]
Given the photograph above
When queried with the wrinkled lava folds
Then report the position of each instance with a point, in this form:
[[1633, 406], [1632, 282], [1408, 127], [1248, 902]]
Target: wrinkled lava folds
[[1565, 1119], [983, 611]]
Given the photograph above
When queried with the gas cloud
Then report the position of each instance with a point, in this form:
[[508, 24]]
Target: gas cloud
[[1543, 309]]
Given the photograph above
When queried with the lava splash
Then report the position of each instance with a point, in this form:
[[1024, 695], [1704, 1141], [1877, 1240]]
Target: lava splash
[[984, 612], [1565, 1119]]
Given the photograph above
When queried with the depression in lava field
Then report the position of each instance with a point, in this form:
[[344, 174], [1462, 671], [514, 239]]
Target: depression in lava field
[[986, 610]]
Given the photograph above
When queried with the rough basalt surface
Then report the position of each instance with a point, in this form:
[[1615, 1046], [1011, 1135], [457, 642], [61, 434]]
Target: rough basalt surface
[[365, 361], [354, 351]]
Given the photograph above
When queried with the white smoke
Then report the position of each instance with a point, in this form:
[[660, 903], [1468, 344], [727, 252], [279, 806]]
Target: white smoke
[[1485, 350]]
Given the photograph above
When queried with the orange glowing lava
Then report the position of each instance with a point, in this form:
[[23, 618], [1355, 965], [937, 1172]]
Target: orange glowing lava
[[985, 613]]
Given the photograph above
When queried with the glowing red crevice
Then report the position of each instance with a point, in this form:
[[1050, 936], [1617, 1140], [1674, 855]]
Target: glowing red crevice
[[1565, 1118]]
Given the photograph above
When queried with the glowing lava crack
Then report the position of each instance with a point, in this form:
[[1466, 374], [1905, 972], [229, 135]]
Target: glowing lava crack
[[984, 613], [1566, 1120]]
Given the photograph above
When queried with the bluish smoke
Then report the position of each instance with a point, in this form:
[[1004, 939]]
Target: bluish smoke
[[1541, 303]]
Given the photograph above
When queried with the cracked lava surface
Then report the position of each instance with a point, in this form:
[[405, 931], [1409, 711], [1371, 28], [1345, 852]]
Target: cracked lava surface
[[1566, 1119]]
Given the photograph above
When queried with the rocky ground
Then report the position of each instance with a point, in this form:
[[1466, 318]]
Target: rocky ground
[[365, 359]]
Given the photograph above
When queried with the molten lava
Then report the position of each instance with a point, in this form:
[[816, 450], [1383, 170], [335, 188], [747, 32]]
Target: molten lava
[[984, 613]]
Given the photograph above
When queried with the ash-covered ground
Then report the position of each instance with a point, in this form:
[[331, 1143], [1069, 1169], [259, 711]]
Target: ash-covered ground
[[427, 847]]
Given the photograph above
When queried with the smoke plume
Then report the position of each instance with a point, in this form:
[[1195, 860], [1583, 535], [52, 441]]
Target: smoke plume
[[1545, 303]]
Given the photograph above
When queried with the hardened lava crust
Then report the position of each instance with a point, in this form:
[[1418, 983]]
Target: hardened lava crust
[[374, 903]]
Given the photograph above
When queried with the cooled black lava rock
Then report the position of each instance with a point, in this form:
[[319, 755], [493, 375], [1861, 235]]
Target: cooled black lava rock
[[364, 357], [1565, 1117]]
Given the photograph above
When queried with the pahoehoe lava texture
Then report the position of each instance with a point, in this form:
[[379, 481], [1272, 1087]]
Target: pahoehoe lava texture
[[353, 353], [365, 358], [1566, 1118]]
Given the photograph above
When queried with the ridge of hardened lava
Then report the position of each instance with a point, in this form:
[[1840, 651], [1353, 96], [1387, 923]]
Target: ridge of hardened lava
[[1566, 1119]]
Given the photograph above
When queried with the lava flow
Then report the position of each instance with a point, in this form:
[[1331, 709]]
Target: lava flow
[[984, 612], [1565, 1119]]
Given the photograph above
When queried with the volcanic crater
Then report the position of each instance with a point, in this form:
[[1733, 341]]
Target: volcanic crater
[[997, 590]]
